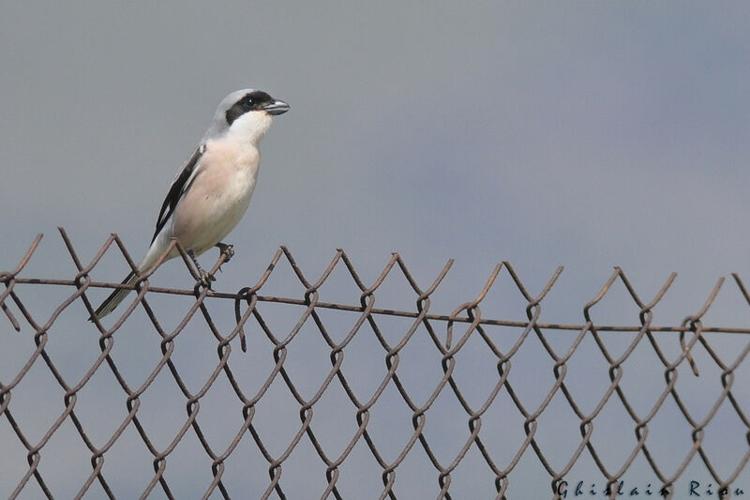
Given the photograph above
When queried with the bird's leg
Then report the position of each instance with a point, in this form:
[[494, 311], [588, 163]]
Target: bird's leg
[[225, 250], [205, 276]]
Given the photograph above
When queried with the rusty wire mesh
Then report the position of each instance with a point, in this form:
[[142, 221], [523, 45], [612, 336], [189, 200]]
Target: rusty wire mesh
[[448, 333]]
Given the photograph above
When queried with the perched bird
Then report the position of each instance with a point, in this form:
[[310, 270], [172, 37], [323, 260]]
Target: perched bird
[[211, 194]]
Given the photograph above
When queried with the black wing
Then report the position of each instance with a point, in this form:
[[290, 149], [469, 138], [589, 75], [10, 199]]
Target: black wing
[[176, 191]]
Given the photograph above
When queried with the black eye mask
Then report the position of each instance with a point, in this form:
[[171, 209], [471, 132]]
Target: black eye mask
[[253, 101]]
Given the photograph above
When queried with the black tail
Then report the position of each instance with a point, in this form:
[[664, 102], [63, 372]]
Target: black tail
[[114, 298]]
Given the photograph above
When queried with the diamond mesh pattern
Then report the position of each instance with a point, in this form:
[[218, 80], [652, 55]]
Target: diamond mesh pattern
[[449, 333]]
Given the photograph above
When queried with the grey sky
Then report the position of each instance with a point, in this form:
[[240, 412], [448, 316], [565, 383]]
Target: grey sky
[[546, 133]]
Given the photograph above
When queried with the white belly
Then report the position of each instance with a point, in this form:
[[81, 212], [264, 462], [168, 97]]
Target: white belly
[[216, 200]]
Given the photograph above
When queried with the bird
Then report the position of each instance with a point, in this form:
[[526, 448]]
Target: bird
[[211, 193]]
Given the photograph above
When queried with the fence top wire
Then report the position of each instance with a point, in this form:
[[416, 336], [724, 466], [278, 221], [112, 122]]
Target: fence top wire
[[460, 325]]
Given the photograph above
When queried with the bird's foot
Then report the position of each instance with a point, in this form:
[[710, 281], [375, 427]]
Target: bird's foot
[[206, 278], [226, 251]]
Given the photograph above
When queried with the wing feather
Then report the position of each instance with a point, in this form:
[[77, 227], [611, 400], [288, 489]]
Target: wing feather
[[177, 190]]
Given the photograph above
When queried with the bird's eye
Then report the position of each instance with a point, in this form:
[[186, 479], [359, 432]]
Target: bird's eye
[[248, 104]]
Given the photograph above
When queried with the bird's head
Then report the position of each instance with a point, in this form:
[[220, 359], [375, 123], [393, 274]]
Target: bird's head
[[246, 113]]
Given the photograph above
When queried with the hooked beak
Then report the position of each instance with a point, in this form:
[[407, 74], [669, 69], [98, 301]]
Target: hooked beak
[[276, 108]]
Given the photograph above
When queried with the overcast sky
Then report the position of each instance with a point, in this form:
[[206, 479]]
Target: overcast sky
[[582, 134]]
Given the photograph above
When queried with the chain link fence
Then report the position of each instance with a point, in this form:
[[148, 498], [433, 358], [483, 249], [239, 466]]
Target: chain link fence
[[492, 437]]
